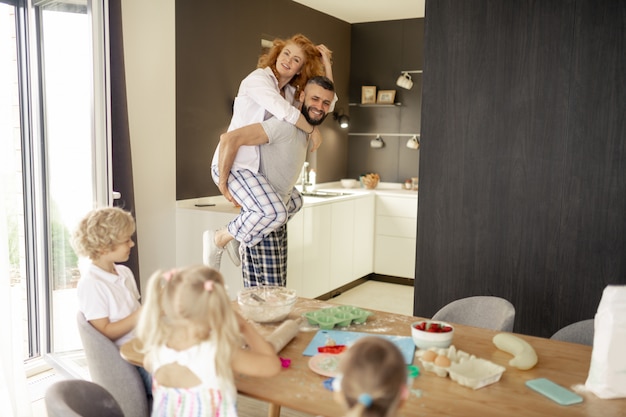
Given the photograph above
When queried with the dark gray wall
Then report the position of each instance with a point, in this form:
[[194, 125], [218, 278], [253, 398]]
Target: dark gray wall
[[380, 51], [217, 45], [523, 156]]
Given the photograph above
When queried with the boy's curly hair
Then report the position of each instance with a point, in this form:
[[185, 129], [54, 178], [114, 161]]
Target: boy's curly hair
[[101, 230]]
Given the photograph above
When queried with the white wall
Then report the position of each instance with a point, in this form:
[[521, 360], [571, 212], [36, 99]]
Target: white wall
[[149, 47]]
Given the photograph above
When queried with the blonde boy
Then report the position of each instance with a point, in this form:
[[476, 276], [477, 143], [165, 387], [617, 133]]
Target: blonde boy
[[107, 292]]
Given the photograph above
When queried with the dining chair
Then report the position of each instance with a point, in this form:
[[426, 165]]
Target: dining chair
[[484, 311], [108, 369], [80, 398], [579, 332]]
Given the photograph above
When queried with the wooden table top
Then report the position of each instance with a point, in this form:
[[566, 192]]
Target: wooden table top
[[299, 388]]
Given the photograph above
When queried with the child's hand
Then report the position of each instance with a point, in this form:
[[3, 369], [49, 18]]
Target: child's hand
[[316, 138]]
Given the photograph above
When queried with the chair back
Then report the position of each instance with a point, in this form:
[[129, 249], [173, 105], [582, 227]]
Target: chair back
[[108, 369], [480, 311], [80, 398], [578, 332]]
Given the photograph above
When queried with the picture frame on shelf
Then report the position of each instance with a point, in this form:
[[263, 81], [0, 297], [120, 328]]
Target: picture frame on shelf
[[368, 94], [386, 96]]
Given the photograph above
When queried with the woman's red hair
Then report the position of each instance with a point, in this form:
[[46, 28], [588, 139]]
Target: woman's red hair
[[312, 59]]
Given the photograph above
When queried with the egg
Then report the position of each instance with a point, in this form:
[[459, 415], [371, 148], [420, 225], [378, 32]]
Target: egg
[[442, 361], [429, 356]]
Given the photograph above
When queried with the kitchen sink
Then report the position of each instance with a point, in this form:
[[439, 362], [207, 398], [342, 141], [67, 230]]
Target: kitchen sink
[[323, 194]]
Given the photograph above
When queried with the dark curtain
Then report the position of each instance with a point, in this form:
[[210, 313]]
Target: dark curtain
[[121, 150]]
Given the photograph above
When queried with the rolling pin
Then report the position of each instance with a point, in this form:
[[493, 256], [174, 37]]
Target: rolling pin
[[284, 334]]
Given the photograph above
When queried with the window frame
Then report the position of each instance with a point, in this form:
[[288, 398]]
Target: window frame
[[36, 202]]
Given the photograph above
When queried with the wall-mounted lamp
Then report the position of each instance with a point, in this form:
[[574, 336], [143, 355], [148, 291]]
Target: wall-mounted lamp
[[413, 143], [342, 119], [377, 142], [405, 80]]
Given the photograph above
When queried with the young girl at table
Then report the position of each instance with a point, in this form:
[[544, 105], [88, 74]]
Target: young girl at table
[[373, 378], [107, 292], [193, 342], [271, 90]]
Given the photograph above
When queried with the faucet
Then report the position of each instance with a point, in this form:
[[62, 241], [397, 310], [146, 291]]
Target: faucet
[[304, 176]]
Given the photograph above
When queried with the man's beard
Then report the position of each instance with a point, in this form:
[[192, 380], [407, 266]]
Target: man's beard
[[312, 122]]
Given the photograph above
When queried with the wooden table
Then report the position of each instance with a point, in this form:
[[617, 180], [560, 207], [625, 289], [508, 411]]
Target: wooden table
[[298, 388]]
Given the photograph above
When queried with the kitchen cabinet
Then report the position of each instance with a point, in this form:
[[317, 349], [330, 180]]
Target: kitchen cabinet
[[191, 222], [396, 233], [330, 241], [295, 251], [330, 245], [341, 243], [363, 237], [352, 242], [315, 277]]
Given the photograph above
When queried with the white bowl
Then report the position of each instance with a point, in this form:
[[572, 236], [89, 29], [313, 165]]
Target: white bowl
[[266, 304], [348, 183], [425, 339]]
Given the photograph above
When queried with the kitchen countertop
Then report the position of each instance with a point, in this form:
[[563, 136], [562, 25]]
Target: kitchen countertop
[[224, 206]]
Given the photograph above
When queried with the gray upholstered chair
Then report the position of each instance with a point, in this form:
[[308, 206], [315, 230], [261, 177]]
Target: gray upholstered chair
[[108, 369], [480, 311], [80, 398], [578, 332]]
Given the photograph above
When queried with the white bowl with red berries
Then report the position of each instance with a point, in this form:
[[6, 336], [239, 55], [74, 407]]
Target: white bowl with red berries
[[432, 333]]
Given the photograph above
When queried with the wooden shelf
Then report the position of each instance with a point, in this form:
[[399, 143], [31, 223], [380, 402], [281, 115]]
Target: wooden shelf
[[374, 105]]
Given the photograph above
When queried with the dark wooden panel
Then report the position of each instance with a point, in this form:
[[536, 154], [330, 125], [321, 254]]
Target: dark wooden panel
[[593, 225], [217, 45], [497, 168]]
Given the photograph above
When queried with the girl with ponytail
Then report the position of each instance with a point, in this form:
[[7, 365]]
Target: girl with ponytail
[[193, 341]]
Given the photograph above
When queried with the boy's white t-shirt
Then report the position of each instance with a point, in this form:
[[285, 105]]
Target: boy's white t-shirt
[[102, 294]]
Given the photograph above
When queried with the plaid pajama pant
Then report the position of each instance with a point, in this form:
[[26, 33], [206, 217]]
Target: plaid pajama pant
[[261, 227], [262, 210], [266, 262]]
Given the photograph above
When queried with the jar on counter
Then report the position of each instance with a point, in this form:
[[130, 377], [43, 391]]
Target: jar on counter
[[415, 182], [408, 184]]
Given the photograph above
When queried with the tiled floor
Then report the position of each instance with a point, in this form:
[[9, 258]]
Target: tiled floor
[[373, 295], [382, 296]]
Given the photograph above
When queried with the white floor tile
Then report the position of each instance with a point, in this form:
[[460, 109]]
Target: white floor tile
[[382, 296]]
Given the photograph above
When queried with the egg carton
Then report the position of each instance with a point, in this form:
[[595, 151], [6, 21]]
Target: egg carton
[[464, 368], [451, 353], [342, 316]]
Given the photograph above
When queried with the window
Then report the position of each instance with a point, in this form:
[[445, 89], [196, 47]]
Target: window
[[55, 166]]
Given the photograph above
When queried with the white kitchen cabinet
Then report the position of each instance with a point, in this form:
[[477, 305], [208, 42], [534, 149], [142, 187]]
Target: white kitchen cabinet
[[331, 246], [341, 243], [363, 237], [396, 232], [295, 251], [190, 225], [331, 242], [316, 250]]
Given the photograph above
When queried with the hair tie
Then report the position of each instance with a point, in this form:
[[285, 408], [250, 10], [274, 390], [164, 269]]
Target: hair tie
[[365, 399], [169, 274], [208, 286]]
